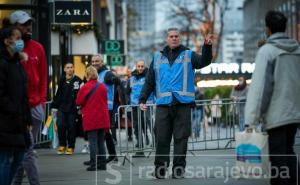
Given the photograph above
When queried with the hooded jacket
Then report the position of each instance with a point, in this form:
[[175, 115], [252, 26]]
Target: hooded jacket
[[36, 70], [273, 95]]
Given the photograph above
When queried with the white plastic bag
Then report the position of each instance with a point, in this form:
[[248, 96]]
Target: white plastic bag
[[252, 160]]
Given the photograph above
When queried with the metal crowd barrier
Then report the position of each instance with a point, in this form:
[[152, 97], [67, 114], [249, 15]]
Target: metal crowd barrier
[[214, 131], [127, 116], [41, 139]]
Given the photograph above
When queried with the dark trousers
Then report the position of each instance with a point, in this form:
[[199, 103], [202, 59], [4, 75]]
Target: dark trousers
[[281, 141], [140, 128], [172, 121], [113, 125], [66, 128], [97, 148], [110, 144], [28, 165]]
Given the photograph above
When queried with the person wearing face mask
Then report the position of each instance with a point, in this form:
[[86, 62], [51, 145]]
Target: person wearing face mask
[[134, 88], [238, 95], [15, 116], [36, 70], [35, 67]]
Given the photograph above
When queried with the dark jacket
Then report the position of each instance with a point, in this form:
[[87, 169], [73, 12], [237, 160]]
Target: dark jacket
[[109, 78], [65, 97], [112, 79], [198, 62], [15, 114], [137, 76]]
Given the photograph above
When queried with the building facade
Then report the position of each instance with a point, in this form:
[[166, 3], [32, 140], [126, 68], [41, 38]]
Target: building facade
[[254, 24], [233, 36], [141, 29], [69, 42]]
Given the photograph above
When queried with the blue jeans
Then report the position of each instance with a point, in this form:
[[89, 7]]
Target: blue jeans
[[242, 121], [9, 163], [196, 123], [30, 167]]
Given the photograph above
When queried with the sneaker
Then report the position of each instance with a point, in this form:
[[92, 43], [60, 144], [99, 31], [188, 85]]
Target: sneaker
[[85, 149], [91, 168], [178, 173], [61, 150], [69, 151], [87, 163], [159, 173], [112, 158]]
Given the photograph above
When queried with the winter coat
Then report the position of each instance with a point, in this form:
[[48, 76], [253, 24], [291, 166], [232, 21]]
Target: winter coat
[[94, 110], [15, 114], [65, 97], [273, 95]]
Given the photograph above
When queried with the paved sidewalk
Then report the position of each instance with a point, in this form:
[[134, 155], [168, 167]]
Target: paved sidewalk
[[69, 170]]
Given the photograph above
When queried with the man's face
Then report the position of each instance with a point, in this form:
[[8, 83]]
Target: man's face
[[173, 39], [97, 62], [140, 67], [69, 69], [26, 29]]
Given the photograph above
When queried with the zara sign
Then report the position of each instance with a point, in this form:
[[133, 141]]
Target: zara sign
[[67, 12]]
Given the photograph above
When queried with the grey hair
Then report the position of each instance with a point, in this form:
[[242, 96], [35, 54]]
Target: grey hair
[[140, 60], [172, 29], [98, 56]]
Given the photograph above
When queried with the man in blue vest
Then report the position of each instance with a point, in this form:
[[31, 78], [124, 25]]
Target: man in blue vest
[[171, 78], [134, 88], [110, 80]]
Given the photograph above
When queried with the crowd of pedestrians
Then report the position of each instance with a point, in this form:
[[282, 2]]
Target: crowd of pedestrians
[[272, 98]]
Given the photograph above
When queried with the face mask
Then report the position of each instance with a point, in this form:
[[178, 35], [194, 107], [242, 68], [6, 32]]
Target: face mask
[[19, 45]]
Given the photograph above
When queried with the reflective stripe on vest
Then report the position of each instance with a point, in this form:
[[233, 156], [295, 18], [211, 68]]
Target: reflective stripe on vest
[[136, 88], [110, 90], [176, 80]]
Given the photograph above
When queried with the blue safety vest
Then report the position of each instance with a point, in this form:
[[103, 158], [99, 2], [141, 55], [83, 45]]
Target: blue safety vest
[[174, 80], [136, 86], [110, 89]]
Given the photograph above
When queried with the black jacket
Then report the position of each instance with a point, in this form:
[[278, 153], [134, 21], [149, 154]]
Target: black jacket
[[109, 78], [112, 79], [15, 114], [65, 97], [198, 62], [138, 76]]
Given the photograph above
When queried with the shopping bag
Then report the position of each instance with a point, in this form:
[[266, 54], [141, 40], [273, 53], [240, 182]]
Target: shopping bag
[[50, 130], [252, 160], [47, 125]]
